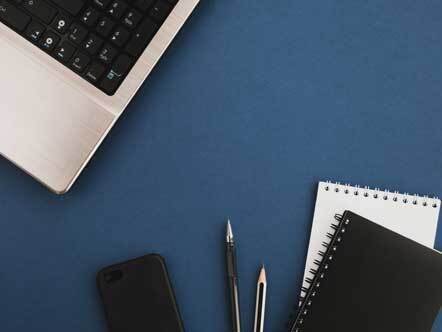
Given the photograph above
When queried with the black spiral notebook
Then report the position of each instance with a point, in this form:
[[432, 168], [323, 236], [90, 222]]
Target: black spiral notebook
[[371, 279]]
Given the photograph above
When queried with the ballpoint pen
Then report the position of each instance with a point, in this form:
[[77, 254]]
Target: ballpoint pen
[[261, 293], [232, 276]]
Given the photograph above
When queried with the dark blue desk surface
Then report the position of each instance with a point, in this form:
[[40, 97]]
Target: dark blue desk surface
[[253, 104]]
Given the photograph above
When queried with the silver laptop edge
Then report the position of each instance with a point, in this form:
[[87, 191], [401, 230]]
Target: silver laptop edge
[[51, 144]]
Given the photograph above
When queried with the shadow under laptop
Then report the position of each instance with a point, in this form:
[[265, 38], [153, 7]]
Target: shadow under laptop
[[437, 327]]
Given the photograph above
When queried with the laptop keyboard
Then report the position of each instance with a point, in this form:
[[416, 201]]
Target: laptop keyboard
[[100, 40]]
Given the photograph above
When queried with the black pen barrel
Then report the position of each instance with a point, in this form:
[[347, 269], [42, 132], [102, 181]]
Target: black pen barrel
[[233, 287]]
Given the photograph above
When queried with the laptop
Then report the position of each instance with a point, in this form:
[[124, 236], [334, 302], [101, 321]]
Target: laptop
[[68, 70]]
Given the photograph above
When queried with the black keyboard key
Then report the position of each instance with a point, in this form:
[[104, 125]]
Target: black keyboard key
[[116, 74], [64, 52], [94, 72], [34, 31], [12, 16], [132, 18], [49, 40], [90, 17], [120, 36], [41, 9], [144, 5], [61, 23], [122, 65], [107, 54], [142, 37], [160, 11], [110, 82], [78, 33], [79, 62], [117, 9], [92, 44], [105, 26], [102, 4], [71, 6]]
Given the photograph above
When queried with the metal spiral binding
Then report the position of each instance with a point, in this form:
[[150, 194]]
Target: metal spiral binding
[[320, 273], [362, 192], [321, 253], [386, 195]]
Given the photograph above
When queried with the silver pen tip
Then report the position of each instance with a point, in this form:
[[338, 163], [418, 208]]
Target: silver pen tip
[[229, 233]]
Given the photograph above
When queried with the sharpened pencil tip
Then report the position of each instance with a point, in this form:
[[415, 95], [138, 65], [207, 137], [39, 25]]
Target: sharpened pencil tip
[[262, 275]]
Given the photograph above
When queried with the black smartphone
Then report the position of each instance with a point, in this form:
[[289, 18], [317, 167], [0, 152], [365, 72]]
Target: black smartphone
[[138, 296]]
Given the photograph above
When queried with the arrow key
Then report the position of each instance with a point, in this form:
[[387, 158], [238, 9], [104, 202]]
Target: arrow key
[[120, 36], [34, 31], [93, 44], [64, 52]]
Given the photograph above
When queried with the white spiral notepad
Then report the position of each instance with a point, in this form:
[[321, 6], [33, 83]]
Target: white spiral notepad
[[413, 216]]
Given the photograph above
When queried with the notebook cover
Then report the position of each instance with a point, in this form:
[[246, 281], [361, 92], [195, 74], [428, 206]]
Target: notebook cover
[[413, 216], [375, 280]]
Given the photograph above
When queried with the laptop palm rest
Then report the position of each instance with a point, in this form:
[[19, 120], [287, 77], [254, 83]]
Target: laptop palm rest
[[47, 127]]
